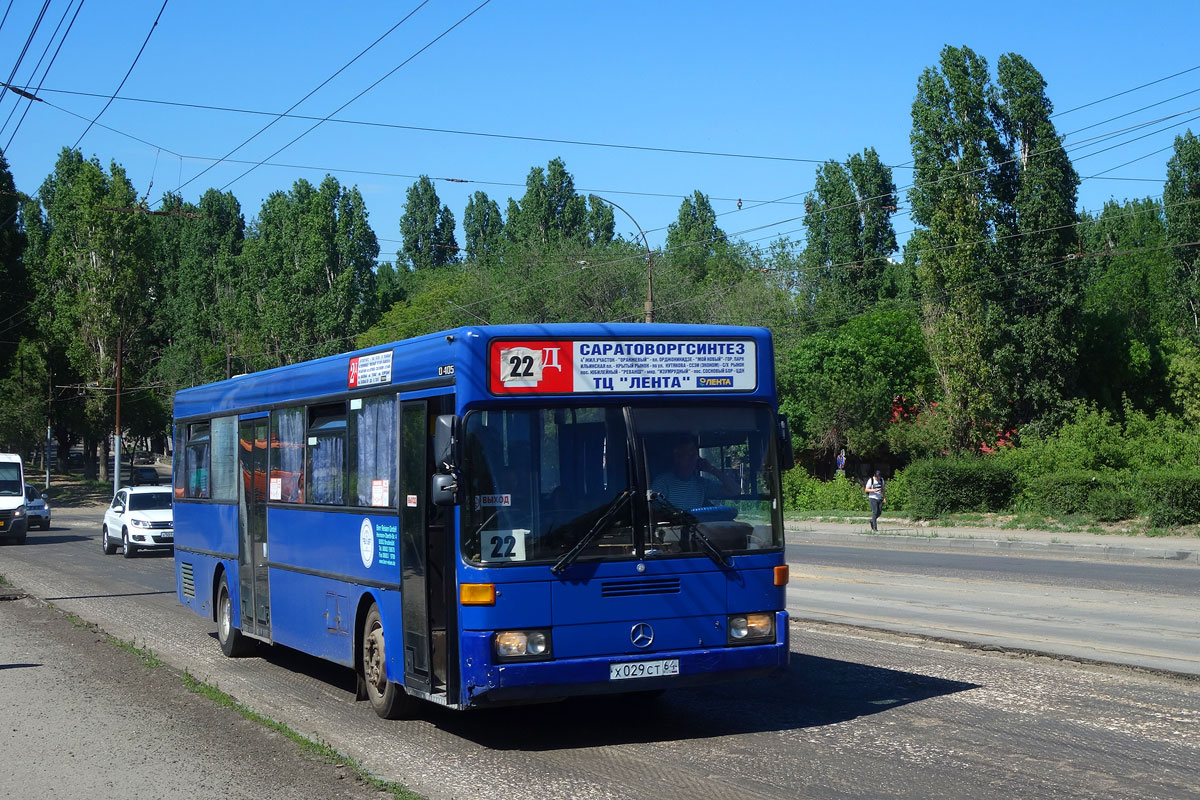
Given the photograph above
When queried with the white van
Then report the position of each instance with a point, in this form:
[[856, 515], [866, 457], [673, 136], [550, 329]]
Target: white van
[[14, 517]]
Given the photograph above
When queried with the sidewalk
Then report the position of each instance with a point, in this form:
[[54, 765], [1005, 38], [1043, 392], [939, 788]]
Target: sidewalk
[[905, 535]]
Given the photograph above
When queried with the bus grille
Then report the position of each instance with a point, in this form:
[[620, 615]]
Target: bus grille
[[639, 587], [187, 579]]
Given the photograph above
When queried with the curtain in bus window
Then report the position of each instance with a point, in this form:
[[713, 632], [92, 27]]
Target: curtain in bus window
[[196, 468], [373, 451], [287, 456], [224, 458], [327, 457], [178, 470]]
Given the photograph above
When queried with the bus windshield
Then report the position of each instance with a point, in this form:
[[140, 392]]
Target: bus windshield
[[628, 482]]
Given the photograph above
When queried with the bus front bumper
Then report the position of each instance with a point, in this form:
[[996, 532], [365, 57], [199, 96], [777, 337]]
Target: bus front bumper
[[488, 683]]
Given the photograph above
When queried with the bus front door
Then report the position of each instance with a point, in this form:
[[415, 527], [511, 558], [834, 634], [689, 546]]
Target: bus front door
[[424, 555], [252, 528]]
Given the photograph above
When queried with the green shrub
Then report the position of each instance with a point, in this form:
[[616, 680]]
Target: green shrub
[[803, 492], [799, 490], [896, 492], [1112, 504], [944, 485], [841, 494], [1065, 492], [1171, 496]]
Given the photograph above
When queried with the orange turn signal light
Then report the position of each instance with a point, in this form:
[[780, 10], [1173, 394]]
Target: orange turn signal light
[[477, 594], [781, 575]]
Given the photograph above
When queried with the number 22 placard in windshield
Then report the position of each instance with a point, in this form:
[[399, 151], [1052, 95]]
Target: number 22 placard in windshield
[[539, 366]]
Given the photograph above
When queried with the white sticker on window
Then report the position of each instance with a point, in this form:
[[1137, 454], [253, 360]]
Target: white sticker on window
[[492, 501], [379, 492], [499, 546], [276, 488]]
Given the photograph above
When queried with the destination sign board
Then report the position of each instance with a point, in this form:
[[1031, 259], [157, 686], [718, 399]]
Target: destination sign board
[[618, 366]]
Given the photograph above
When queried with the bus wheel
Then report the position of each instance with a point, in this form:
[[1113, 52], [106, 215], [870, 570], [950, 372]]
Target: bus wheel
[[233, 643], [389, 700]]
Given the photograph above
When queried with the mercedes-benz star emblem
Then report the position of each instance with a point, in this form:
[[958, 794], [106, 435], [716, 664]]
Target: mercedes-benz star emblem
[[641, 635]]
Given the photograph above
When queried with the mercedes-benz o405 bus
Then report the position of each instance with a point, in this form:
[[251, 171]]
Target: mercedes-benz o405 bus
[[496, 514]]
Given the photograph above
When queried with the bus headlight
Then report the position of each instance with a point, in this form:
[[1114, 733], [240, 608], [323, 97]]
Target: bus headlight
[[527, 645], [751, 628]]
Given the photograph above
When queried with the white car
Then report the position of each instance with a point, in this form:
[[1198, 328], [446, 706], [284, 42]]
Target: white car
[[38, 508], [139, 518]]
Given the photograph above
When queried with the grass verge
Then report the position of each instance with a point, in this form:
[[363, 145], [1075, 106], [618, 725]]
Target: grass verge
[[306, 745]]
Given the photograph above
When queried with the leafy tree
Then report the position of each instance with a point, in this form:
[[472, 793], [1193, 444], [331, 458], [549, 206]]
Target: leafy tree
[[840, 387], [694, 241], [92, 262], [483, 229], [1035, 342], [309, 269], [850, 234], [427, 229], [23, 412], [550, 210], [1129, 306], [199, 249], [958, 198], [388, 288], [1181, 202], [12, 265]]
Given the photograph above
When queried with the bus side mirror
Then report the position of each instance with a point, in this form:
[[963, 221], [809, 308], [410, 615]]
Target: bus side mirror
[[445, 442], [443, 487], [787, 456]]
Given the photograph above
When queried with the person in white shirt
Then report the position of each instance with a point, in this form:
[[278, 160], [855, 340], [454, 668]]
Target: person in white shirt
[[874, 490]]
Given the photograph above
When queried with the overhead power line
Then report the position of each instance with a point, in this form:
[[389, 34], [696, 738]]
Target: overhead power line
[[128, 72], [53, 58], [319, 86], [393, 71]]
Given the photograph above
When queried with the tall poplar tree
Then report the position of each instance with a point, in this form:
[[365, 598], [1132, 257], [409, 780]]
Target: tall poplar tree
[[92, 252], [694, 240], [426, 228], [960, 182], [1181, 203], [483, 230], [1039, 314], [550, 212]]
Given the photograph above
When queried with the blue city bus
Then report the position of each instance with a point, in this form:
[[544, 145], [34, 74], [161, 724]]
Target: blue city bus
[[496, 514]]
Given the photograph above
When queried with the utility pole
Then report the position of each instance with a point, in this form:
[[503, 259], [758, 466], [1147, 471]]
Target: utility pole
[[117, 430], [49, 398], [649, 307]]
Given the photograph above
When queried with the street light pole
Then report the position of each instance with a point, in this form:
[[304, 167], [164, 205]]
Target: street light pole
[[649, 308]]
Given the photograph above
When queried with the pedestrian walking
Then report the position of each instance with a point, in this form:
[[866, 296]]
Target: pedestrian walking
[[874, 490]]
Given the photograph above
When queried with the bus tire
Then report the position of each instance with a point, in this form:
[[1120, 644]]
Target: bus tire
[[389, 700], [233, 643]]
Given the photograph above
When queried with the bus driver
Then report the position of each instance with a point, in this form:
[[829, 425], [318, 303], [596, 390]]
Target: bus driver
[[686, 485]]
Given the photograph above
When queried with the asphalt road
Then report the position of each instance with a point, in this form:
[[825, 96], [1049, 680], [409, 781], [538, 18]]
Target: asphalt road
[[858, 713]]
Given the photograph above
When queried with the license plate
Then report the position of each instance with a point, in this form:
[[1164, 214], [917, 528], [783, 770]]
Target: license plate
[[643, 669]]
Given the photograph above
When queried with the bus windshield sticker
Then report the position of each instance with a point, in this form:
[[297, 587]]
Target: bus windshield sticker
[[493, 501], [603, 366], [370, 370], [499, 546]]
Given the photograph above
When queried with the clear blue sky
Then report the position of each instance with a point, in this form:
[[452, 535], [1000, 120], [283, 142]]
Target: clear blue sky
[[782, 79]]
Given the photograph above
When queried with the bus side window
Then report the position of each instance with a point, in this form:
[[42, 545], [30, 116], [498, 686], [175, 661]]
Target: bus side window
[[195, 461], [373, 441], [327, 454], [286, 478]]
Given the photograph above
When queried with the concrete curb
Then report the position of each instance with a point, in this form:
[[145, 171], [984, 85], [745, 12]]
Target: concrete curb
[[1164, 554]]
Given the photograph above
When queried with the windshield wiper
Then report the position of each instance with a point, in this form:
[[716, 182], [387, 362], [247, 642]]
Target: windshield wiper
[[691, 526], [598, 527]]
